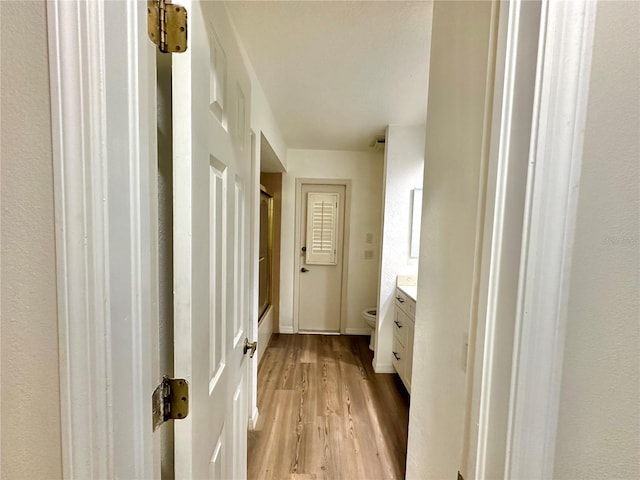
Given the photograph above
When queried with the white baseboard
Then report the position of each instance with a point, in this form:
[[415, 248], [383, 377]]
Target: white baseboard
[[288, 330], [314, 332], [357, 331], [384, 368], [253, 419]]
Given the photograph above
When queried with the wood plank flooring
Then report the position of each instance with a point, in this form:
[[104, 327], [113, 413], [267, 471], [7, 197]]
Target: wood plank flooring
[[325, 414]]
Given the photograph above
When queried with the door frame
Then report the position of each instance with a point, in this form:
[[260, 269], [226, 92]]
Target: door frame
[[560, 112], [104, 140], [84, 148], [565, 45], [254, 272], [345, 248]]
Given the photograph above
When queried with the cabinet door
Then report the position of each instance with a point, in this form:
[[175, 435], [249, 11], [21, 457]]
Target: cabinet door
[[408, 366]]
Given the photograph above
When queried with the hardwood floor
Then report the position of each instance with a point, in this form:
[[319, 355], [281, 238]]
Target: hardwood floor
[[325, 414]]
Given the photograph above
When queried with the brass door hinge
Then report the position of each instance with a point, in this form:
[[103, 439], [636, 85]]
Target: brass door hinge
[[167, 25], [170, 401]]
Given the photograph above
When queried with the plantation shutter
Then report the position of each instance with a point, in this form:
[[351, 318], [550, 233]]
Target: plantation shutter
[[322, 228]]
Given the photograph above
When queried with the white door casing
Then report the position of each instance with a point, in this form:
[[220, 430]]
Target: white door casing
[[521, 444], [102, 75], [322, 212], [503, 224], [211, 174], [560, 111]]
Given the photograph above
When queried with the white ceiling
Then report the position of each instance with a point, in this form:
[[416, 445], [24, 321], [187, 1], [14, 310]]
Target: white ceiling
[[337, 73]]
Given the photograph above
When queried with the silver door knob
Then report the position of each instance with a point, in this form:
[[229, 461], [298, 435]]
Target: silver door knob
[[250, 346]]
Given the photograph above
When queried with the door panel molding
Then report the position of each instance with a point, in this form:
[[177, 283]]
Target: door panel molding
[[345, 256]]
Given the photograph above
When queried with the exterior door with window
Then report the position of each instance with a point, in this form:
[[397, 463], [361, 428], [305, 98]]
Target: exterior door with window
[[321, 258]]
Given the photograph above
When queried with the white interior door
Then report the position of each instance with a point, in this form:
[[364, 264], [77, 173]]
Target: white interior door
[[211, 172], [321, 253]]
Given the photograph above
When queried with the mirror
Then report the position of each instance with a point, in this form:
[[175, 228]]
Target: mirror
[[416, 218]]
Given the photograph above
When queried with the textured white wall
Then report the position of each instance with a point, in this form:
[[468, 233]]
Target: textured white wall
[[262, 118], [457, 78], [263, 121], [599, 422], [403, 171], [30, 409], [365, 171]]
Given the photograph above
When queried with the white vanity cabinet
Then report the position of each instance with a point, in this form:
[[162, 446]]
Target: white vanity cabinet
[[403, 328]]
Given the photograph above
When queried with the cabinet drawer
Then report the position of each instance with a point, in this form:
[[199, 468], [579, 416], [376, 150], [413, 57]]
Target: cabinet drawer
[[405, 303], [402, 301], [398, 357], [400, 326]]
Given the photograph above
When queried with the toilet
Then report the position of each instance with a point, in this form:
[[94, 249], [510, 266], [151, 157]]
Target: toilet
[[370, 315]]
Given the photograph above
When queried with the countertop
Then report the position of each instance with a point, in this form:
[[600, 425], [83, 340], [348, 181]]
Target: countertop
[[410, 290]]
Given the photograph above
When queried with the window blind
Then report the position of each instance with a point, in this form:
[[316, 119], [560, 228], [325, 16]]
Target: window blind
[[322, 234]]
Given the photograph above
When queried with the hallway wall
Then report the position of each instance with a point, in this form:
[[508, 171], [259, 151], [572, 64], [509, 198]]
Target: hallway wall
[[454, 139], [364, 169], [599, 419], [403, 171], [29, 379]]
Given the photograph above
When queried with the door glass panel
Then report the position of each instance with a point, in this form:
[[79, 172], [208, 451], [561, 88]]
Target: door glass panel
[[266, 232]]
